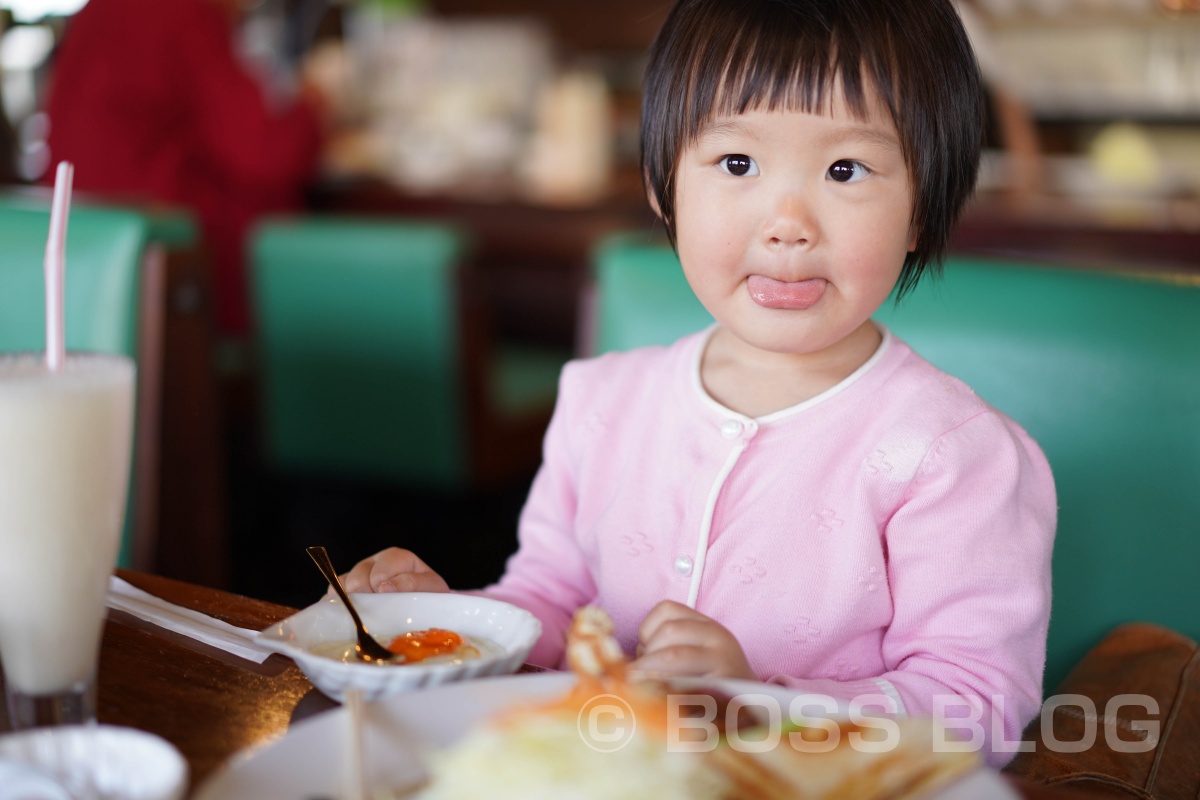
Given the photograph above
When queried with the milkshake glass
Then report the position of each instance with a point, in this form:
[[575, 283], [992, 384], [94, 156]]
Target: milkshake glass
[[65, 449]]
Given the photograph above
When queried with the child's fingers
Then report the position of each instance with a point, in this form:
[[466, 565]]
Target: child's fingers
[[684, 632], [665, 612], [358, 579], [677, 640], [393, 570], [684, 660], [427, 581], [396, 570]]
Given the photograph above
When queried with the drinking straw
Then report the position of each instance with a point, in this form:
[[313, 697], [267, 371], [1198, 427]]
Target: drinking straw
[[354, 767], [55, 263]]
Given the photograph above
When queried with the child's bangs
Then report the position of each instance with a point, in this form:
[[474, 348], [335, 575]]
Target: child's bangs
[[777, 63]]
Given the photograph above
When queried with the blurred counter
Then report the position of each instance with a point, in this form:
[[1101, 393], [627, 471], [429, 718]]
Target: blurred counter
[[1141, 234]]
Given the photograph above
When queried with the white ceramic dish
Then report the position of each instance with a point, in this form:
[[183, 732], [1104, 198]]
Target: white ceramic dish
[[21, 782], [310, 760], [104, 762], [389, 615]]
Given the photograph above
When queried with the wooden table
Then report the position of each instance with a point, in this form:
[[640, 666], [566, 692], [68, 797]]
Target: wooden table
[[211, 704]]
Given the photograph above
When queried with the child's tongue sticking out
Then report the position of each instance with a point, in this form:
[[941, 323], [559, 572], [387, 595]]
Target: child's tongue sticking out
[[770, 293]]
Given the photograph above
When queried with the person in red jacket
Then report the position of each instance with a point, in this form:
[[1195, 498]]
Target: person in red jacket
[[150, 102]]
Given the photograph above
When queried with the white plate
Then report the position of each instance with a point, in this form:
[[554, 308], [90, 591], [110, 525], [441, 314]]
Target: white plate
[[308, 762], [106, 762], [20, 781], [514, 630]]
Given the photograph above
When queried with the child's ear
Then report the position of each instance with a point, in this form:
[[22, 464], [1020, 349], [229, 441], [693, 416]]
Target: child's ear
[[651, 197]]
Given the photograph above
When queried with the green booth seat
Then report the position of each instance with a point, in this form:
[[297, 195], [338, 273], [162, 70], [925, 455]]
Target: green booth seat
[[178, 458], [1102, 369], [102, 302], [375, 361], [640, 295], [173, 227]]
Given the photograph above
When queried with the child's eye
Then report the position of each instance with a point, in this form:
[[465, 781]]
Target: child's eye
[[739, 165], [847, 171]]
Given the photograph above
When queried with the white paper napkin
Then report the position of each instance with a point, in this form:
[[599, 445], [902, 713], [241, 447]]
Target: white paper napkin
[[241, 642]]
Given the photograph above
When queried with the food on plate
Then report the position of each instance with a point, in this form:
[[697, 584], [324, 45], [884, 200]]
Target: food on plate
[[615, 735], [431, 643], [429, 646]]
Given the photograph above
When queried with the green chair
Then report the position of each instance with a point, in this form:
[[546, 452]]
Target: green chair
[[377, 364], [1102, 369], [639, 295], [102, 304]]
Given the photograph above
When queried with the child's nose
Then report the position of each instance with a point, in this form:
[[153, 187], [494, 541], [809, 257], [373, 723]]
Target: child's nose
[[791, 222]]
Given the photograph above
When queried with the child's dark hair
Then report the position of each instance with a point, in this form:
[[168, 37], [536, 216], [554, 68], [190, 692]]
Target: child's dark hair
[[723, 57]]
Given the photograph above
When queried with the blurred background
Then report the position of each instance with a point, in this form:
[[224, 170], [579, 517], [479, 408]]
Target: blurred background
[[515, 123]]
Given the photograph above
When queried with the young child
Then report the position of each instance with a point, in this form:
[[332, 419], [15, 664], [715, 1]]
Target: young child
[[793, 495]]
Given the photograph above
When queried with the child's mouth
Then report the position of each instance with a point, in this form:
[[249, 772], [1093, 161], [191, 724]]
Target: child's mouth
[[770, 293]]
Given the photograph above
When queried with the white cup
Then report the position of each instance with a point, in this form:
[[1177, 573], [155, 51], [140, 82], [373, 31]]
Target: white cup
[[65, 448]]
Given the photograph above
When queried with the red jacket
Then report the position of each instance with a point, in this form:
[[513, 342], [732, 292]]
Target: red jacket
[[150, 102]]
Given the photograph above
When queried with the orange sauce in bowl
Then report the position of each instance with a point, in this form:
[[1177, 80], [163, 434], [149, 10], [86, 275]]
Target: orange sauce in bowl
[[419, 645]]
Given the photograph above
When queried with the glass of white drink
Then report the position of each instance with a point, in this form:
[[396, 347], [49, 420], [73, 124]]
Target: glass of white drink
[[65, 445]]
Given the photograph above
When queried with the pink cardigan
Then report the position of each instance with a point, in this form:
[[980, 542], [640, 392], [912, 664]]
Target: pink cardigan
[[891, 536]]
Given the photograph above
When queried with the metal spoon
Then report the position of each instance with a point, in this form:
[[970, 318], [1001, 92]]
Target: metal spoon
[[367, 649]]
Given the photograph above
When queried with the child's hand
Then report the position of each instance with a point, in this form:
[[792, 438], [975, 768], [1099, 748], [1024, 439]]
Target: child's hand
[[676, 640], [393, 570]]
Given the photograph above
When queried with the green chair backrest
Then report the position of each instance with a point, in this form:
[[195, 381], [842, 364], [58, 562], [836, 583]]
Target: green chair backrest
[[641, 295], [361, 370], [174, 227], [100, 292], [1102, 369]]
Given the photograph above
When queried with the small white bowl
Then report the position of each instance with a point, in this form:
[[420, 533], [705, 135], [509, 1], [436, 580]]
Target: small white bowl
[[386, 616], [102, 761]]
